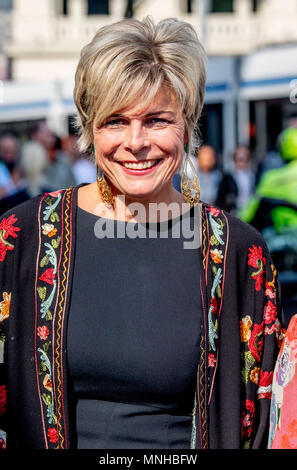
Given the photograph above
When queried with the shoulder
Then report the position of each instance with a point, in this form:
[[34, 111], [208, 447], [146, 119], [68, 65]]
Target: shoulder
[[26, 214], [240, 235]]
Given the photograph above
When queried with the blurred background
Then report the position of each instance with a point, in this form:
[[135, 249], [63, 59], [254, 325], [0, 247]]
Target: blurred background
[[247, 163]]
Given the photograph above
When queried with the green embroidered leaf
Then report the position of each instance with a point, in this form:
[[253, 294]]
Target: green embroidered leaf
[[248, 361], [44, 261], [56, 242], [43, 367], [54, 217], [214, 240], [49, 200], [42, 292], [54, 418], [47, 399], [48, 316], [219, 291], [247, 444], [214, 269], [46, 346]]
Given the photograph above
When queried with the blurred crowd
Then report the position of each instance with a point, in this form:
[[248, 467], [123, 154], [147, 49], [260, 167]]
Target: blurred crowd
[[43, 163]]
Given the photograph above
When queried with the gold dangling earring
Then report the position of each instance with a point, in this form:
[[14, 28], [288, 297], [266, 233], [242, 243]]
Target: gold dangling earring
[[190, 187], [104, 190]]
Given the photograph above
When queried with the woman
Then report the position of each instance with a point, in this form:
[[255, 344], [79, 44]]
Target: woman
[[116, 332]]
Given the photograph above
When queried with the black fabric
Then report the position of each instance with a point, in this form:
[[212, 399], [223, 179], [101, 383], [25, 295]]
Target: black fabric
[[133, 337]]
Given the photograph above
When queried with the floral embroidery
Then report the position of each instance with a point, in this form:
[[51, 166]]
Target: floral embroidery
[[49, 230], [247, 420], [2, 439], [7, 228], [43, 332], [217, 269], [245, 328], [270, 312], [216, 255], [3, 398], [53, 435], [5, 306], [265, 384], [48, 276], [257, 260], [255, 375]]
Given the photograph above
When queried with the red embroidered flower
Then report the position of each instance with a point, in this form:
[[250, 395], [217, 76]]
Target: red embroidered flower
[[257, 260], [211, 360], [214, 211], [214, 304], [247, 418], [265, 384], [48, 276], [43, 332], [7, 229], [3, 398], [256, 341], [53, 435]]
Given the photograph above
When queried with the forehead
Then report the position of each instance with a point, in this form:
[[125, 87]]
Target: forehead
[[163, 101]]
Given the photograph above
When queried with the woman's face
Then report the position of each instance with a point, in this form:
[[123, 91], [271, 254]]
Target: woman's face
[[141, 147]]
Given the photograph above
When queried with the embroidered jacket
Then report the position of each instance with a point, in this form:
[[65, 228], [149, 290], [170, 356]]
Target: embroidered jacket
[[240, 332]]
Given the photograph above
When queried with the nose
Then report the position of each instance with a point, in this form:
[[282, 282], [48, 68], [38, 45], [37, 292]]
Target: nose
[[135, 138]]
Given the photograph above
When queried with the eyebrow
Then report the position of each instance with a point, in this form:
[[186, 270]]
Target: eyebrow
[[154, 113]]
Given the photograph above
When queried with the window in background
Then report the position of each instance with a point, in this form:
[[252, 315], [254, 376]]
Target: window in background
[[96, 7], [221, 6]]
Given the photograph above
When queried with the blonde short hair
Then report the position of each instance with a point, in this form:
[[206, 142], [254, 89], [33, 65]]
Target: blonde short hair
[[130, 60]]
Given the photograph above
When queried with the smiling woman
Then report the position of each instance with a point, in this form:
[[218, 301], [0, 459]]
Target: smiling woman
[[117, 331]]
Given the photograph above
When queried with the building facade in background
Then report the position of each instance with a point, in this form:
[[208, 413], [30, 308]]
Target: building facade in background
[[251, 44]]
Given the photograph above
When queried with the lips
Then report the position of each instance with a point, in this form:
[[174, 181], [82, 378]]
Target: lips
[[141, 167]]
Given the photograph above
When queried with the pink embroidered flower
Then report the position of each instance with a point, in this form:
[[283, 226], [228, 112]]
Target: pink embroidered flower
[[3, 398], [269, 312], [211, 360], [269, 291], [55, 193], [47, 382], [53, 435], [214, 211], [43, 332], [48, 276]]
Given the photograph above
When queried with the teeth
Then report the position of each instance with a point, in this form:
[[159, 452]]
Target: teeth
[[140, 166]]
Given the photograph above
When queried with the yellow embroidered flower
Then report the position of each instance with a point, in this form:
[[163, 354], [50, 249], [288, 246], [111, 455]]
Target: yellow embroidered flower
[[5, 306], [245, 328], [216, 255], [47, 382], [254, 375], [49, 230]]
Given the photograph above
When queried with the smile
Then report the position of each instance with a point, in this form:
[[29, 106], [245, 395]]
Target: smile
[[143, 167], [140, 165]]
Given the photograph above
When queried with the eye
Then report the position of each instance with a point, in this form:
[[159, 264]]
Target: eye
[[114, 123], [156, 121]]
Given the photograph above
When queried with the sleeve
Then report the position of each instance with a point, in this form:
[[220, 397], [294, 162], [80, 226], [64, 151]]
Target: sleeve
[[261, 334], [8, 233]]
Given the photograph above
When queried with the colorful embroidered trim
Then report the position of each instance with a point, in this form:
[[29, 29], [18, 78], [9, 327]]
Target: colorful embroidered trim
[[50, 294]]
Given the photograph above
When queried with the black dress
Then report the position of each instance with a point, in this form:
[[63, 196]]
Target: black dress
[[133, 336]]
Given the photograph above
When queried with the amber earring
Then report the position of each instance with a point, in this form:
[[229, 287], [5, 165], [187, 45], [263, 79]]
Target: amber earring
[[190, 187], [104, 190]]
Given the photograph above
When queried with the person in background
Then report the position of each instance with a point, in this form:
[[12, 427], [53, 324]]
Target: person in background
[[9, 157], [58, 173], [237, 186], [83, 169], [209, 175], [277, 190]]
